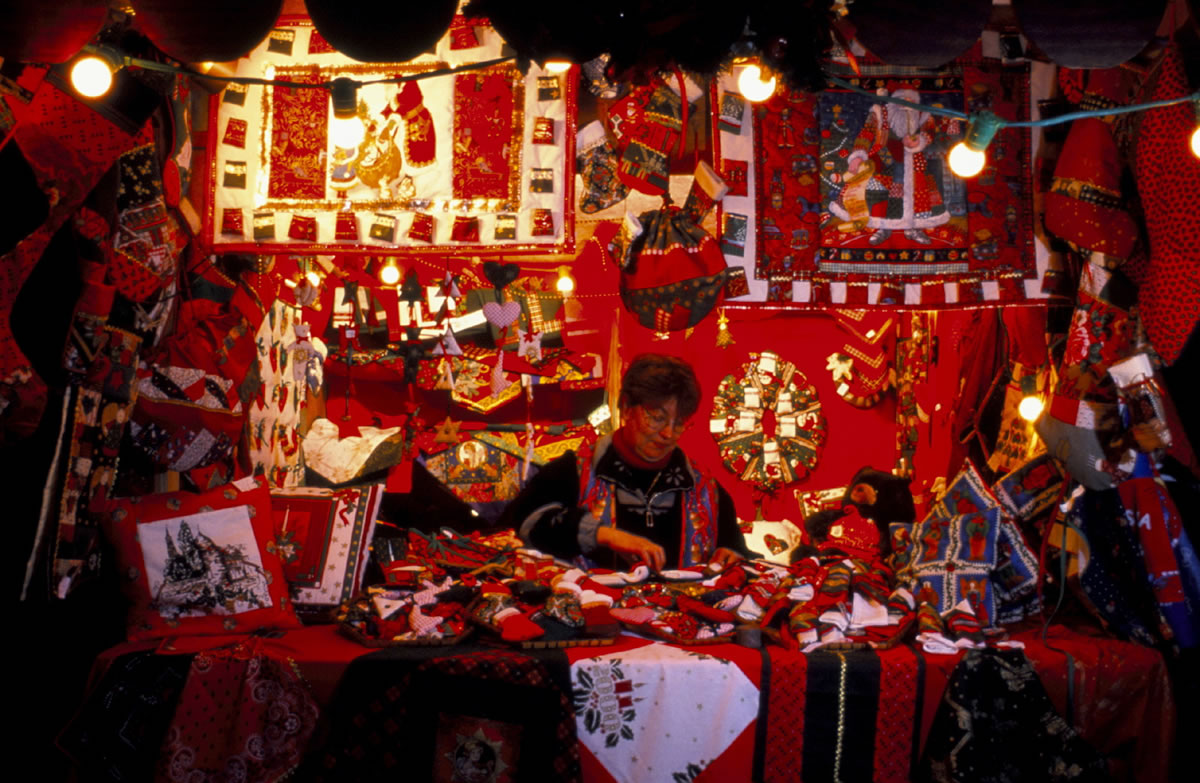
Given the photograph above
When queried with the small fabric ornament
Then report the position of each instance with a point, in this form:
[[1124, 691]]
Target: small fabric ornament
[[707, 189], [541, 181], [345, 227], [735, 282], [303, 227], [422, 227], [281, 41], [235, 133], [234, 94], [506, 227], [235, 174], [542, 223], [736, 174], [733, 235], [733, 106], [232, 223], [465, 229], [383, 228], [543, 130], [264, 226], [548, 89]]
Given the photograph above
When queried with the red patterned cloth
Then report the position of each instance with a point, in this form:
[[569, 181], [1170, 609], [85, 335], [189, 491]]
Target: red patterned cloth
[[483, 134], [1168, 182], [783, 754], [242, 716], [899, 697], [298, 141], [69, 147]]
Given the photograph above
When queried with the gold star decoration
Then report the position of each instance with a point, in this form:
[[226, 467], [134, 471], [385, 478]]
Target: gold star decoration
[[447, 431]]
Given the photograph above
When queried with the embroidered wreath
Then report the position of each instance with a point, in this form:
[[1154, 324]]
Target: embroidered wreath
[[771, 456]]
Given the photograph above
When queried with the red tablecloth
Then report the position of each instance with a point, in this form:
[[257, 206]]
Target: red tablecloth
[[1120, 700]]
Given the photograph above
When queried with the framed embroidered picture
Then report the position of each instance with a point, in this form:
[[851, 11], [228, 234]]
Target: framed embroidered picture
[[442, 134]]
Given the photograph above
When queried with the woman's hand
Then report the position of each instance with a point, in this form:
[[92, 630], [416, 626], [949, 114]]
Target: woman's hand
[[723, 558], [634, 546]]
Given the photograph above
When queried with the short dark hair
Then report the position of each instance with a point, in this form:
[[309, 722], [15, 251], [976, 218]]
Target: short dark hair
[[653, 378]]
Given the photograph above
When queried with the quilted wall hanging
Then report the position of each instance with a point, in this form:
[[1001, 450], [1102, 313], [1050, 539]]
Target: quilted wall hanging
[[457, 161], [843, 190]]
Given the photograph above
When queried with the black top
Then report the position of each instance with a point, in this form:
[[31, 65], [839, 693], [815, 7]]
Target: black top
[[649, 503]]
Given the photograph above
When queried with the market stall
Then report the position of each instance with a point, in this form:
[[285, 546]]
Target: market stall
[[306, 346]]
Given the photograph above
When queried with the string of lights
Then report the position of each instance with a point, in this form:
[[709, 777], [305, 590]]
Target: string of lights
[[968, 157]]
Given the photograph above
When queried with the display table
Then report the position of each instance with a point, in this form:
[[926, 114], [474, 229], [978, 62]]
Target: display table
[[646, 710]]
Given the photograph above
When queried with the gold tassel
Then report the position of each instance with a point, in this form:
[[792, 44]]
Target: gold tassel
[[724, 338]]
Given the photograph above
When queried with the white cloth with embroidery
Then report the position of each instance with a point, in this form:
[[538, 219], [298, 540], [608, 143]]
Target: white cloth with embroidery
[[659, 711]]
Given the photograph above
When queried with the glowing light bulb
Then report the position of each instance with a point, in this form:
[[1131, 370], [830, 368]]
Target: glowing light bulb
[[346, 129], [1030, 408], [558, 66], [966, 162], [566, 283], [1196, 142], [92, 76], [752, 84], [313, 278], [389, 274], [347, 132]]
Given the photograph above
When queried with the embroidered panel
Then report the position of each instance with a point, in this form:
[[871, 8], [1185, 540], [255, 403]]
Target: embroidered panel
[[850, 192], [452, 143]]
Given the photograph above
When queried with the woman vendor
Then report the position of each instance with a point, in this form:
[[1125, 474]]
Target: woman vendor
[[639, 498]]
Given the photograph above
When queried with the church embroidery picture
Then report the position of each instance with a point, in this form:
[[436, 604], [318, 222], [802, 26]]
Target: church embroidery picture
[[204, 564]]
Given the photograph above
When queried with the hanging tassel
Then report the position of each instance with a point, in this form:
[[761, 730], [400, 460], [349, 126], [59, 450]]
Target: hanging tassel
[[724, 338]]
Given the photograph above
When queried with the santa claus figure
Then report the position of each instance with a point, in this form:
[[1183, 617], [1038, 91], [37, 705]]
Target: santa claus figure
[[899, 144]]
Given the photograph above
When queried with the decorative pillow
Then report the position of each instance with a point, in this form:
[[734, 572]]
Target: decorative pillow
[[954, 558], [322, 536], [967, 494], [1030, 489], [200, 564], [1015, 577], [774, 541]]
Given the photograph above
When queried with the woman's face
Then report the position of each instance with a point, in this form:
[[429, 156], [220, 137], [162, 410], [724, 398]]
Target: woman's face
[[655, 429]]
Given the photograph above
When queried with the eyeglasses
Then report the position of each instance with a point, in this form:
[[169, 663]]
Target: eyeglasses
[[658, 420]]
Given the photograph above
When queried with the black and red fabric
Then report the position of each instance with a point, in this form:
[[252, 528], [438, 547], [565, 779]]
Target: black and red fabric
[[478, 714], [124, 718], [842, 714], [244, 714], [995, 705], [678, 275]]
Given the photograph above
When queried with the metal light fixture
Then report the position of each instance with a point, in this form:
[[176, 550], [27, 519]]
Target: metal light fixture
[[967, 158], [346, 129], [92, 73]]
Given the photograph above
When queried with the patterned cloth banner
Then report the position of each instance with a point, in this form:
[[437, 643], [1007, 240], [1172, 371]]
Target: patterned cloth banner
[[851, 192]]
